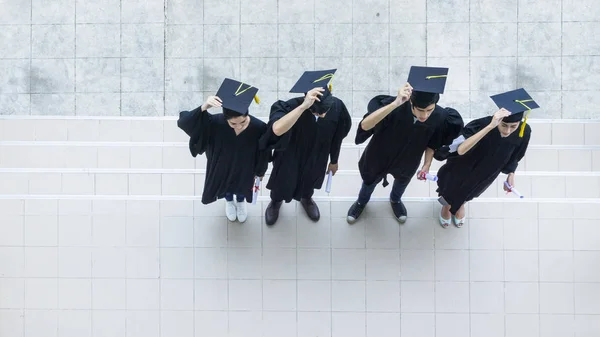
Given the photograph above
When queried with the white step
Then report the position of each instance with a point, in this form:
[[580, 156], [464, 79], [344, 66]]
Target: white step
[[190, 182], [331, 207], [175, 155], [156, 129]]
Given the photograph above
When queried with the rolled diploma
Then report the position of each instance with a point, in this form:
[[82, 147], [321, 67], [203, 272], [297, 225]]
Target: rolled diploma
[[513, 190], [329, 178], [256, 189], [429, 176]]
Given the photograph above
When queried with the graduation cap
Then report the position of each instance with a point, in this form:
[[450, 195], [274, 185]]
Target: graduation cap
[[313, 79], [237, 96], [517, 102], [428, 79]]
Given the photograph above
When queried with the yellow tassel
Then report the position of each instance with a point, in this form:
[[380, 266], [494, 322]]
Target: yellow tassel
[[329, 87], [256, 99], [324, 77], [522, 131], [522, 102]]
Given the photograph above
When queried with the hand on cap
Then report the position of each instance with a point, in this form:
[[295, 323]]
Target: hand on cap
[[312, 96], [212, 102], [497, 118], [404, 94]]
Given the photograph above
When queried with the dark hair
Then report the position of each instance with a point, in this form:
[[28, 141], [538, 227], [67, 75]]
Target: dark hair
[[424, 99], [229, 114], [514, 118]]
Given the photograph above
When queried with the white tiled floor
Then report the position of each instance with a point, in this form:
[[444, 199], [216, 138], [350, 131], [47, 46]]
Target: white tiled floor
[[175, 268], [77, 268]]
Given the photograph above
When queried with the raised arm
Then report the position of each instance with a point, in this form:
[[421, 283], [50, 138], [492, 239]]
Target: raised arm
[[285, 123], [212, 102], [373, 119], [470, 142]]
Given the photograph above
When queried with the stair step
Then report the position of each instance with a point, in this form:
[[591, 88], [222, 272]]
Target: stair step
[[185, 206], [345, 184], [174, 155]]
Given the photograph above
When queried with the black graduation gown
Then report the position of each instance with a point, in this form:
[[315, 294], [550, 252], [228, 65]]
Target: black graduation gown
[[399, 140], [301, 155], [232, 161], [465, 177]]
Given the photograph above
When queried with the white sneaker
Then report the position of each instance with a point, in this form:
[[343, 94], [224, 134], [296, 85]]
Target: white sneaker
[[230, 210], [242, 211]]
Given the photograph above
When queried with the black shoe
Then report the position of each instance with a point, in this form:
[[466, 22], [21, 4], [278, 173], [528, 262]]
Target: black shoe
[[311, 209], [354, 212], [399, 211], [272, 212]]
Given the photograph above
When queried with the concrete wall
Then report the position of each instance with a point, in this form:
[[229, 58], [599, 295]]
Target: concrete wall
[[156, 57]]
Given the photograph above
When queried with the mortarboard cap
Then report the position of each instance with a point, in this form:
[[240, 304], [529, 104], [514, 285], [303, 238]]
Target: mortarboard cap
[[313, 79], [237, 96], [428, 79], [516, 102]]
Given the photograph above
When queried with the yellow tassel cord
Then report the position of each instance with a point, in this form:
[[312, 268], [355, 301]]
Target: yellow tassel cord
[[522, 102], [325, 77], [436, 76], [238, 92]]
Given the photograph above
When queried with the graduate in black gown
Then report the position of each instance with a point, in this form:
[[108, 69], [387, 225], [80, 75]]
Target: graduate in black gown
[[401, 129], [231, 143], [487, 146], [305, 133]]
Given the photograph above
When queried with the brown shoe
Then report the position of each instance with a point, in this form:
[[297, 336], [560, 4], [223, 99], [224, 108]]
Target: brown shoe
[[272, 212], [311, 208]]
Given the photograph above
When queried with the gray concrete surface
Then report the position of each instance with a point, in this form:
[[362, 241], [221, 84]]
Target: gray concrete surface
[[156, 57]]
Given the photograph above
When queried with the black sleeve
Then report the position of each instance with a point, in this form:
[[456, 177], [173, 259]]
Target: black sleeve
[[270, 141], [374, 104], [446, 151], [475, 126], [343, 128], [513, 163], [196, 124], [447, 131], [263, 156]]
